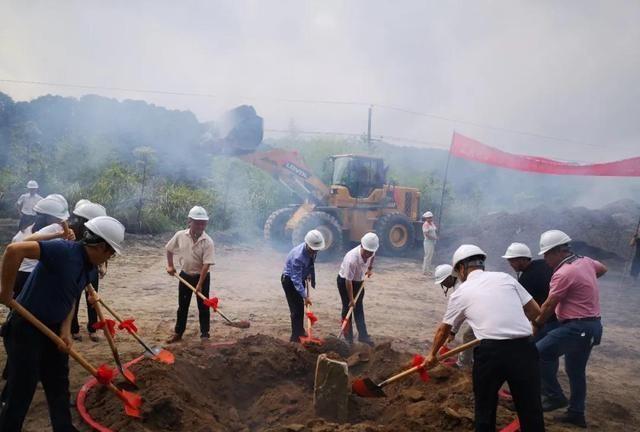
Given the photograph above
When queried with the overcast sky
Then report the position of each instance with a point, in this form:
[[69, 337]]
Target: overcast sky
[[567, 69]]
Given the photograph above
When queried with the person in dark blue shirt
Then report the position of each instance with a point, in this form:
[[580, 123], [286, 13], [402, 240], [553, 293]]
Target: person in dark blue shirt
[[50, 294], [297, 270], [534, 276]]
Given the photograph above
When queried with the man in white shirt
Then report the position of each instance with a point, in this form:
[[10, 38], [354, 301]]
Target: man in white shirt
[[429, 231], [357, 264], [25, 204], [51, 214], [195, 250], [499, 311]]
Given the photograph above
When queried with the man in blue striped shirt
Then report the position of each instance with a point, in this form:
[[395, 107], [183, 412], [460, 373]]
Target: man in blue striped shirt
[[297, 270]]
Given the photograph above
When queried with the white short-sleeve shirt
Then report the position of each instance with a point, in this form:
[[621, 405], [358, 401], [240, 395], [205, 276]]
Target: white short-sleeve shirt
[[29, 264], [492, 303], [26, 203], [191, 255], [353, 267]]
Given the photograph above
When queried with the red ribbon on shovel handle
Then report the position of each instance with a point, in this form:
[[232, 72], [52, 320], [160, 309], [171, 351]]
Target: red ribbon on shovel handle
[[312, 317], [418, 360], [212, 303], [108, 323], [128, 325], [105, 374]]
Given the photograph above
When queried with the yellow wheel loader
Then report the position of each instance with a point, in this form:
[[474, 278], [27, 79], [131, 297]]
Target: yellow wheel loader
[[359, 199]]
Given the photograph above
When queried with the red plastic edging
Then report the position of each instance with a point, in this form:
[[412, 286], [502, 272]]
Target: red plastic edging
[[514, 426], [82, 396]]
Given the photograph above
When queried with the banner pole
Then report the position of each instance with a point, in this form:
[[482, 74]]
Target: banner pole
[[444, 182]]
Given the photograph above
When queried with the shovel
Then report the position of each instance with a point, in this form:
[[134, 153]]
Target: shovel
[[126, 373], [156, 353], [213, 303], [365, 387], [311, 319], [345, 321], [132, 401]]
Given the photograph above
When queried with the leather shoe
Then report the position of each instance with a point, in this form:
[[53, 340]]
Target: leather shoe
[[175, 338], [574, 418], [552, 404]]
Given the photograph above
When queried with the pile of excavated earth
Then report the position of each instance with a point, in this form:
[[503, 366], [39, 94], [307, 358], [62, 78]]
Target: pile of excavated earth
[[603, 233], [260, 383]]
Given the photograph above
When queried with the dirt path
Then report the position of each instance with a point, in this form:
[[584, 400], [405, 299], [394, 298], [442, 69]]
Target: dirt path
[[402, 306]]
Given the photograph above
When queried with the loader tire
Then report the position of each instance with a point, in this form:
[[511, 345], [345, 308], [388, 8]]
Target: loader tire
[[274, 229], [396, 234], [330, 228]]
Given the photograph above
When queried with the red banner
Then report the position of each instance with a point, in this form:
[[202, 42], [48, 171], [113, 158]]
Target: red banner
[[468, 148]]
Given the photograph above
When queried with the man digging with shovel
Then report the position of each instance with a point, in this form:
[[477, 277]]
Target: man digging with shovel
[[357, 264], [50, 295], [499, 311], [195, 250], [298, 268]]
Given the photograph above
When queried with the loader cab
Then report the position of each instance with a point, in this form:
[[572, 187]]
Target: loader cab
[[360, 174]]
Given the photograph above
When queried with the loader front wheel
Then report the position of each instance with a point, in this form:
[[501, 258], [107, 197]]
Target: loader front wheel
[[330, 228], [396, 234], [274, 229]]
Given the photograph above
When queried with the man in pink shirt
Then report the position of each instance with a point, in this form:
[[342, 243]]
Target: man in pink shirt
[[575, 298]]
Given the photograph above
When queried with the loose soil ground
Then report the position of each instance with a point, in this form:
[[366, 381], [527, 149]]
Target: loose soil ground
[[264, 383]]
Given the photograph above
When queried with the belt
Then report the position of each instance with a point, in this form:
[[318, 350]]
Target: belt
[[580, 319], [503, 342]]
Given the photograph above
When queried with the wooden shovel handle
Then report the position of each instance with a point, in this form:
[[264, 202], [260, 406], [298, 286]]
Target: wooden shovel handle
[[24, 313], [191, 287], [107, 333], [446, 355], [202, 296], [132, 333], [350, 312]]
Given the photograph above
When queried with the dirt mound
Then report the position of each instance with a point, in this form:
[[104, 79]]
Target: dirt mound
[[263, 384], [603, 233]]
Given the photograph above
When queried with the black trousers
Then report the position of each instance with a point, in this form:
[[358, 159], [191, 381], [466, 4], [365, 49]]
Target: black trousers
[[358, 310], [296, 308], [516, 362], [91, 312], [33, 357], [21, 278], [184, 300]]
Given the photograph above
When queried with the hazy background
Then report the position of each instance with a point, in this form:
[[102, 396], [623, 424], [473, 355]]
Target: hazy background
[[558, 69]]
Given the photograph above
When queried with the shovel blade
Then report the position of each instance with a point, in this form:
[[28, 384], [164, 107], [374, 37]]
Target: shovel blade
[[132, 403], [128, 375], [310, 341], [238, 324], [161, 355], [164, 356], [364, 387]]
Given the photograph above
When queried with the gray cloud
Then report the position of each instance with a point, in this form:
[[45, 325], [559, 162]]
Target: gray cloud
[[566, 69]]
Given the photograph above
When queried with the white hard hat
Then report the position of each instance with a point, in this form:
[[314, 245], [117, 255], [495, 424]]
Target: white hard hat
[[53, 205], [517, 250], [90, 210], [59, 198], [32, 184], [551, 239], [109, 229], [442, 272], [427, 214], [198, 213], [314, 240], [463, 252], [81, 202], [370, 242]]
